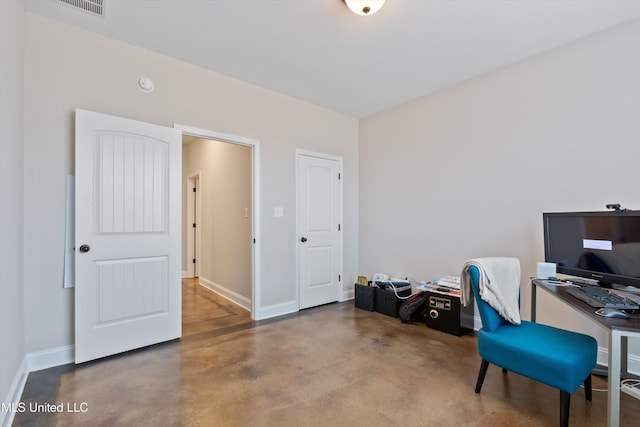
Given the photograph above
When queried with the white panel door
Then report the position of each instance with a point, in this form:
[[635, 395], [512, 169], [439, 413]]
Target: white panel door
[[127, 248], [319, 214]]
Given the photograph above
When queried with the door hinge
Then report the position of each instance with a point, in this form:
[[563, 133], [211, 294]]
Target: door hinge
[[339, 227], [194, 189], [339, 176], [254, 240], [194, 260], [194, 225], [339, 278]]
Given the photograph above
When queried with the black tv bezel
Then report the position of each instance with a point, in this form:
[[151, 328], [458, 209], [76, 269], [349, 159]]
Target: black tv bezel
[[603, 279]]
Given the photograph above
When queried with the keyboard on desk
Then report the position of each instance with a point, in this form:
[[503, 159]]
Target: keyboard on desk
[[597, 297]]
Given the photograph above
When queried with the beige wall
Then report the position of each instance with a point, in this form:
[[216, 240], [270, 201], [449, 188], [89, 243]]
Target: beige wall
[[468, 171], [68, 68], [12, 311], [225, 193]]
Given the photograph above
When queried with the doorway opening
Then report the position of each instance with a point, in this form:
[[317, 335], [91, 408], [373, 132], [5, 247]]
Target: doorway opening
[[221, 217]]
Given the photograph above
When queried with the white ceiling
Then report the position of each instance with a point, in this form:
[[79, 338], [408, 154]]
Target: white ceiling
[[320, 52]]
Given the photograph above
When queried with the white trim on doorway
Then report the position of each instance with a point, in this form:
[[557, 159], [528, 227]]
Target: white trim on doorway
[[256, 308], [193, 216]]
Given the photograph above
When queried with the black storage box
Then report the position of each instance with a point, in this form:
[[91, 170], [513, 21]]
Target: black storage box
[[388, 303], [445, 313], [365, 297]]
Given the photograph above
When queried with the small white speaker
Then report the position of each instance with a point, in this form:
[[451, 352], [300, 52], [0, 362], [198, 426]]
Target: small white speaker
[[546, 270]]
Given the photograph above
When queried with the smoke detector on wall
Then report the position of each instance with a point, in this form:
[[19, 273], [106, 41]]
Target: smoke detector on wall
[[145, 84], [94, 7]]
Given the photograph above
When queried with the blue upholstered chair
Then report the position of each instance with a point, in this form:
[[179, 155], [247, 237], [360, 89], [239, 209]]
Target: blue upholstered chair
[[558, 358]]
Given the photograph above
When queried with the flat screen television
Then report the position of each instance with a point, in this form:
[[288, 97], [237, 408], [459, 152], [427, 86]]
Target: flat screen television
[[604, 246]]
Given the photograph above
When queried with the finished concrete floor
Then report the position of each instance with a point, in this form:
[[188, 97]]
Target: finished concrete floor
[[334, 365]]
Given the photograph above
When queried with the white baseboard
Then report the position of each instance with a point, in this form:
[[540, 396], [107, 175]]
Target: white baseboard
[[633, 360], [276, 310], [348, 294], [14, 394], [477, 323], [232, 296], [45, 359]]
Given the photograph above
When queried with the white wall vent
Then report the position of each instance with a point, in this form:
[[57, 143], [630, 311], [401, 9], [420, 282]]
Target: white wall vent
[[95, 7]]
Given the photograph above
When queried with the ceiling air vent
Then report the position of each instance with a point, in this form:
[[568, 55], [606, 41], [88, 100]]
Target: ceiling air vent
[[95, 7]]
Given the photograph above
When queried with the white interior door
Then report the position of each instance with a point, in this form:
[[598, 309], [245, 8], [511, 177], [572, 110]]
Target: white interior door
[[319, 210], [127, 247]]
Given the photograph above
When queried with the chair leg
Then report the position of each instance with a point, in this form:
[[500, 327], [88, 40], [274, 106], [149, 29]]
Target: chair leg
[[565, 401], [587, 388], [483, 371]]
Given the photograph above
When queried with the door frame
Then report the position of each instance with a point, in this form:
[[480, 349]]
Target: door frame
[[193, 215], [339, 159], [254, 144]]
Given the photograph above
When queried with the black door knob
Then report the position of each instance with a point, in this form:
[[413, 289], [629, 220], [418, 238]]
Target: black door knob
[[303, 239], [85, 248]]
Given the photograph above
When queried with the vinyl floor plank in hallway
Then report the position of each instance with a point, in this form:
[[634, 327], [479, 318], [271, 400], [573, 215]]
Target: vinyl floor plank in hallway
[[331, 365]]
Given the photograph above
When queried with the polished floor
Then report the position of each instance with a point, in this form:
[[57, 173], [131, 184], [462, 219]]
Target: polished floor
[[334, 365]]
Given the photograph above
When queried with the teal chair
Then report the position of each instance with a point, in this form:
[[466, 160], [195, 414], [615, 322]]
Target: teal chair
[[558, 358]]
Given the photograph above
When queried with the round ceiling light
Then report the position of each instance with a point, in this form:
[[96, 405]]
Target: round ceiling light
[[364, 7]]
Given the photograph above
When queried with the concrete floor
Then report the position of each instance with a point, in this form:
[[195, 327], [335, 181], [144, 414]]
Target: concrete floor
[[332, 365]]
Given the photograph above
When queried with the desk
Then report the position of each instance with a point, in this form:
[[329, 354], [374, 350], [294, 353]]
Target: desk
[[619, 331]]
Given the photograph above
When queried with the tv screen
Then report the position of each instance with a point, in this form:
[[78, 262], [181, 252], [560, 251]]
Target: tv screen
[[604, 246]]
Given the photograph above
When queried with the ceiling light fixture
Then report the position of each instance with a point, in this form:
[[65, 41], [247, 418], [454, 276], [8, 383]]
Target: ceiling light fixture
[[364, 7]]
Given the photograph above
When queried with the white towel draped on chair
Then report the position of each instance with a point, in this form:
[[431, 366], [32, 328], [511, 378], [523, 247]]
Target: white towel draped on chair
[[499, 285]]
